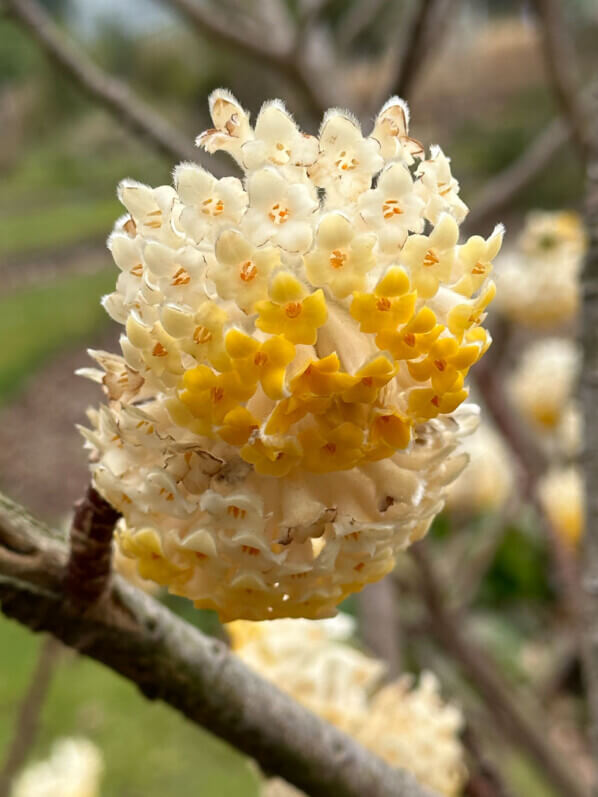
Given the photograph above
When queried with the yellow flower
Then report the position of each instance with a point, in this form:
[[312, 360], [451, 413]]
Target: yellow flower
[[340, 448], [445, 362], [264, 362], [425, 403], [469, 314], [391, 304], [431, 258], [389, 432], [290, 311], [341, 259], [237, 426], [369, 379], [210, 396], [413, 339], [206, 341], [321, 378], [271, 459]]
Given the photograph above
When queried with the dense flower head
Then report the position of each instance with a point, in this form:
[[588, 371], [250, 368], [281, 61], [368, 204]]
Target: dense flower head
[[283, 416], [539, 278], [74, 769], [408, 725], [488, 479], [543, 385]]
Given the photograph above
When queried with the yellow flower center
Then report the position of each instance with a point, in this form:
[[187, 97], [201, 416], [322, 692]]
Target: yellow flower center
[[261, 358], [137, 271], [248, 271], [430, 258], [181, 277], [156, 221], [278, 214], [210, 207], [293, 309], [159, 350], [202, 335], [337, 258], [346, 161], [391, 208], [383, 304], [480, 268], [236, 511]]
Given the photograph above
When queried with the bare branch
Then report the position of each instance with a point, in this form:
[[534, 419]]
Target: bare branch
[[114, 95], [90, 552], [359, 17], [414, 53], [559, 61], [262, 51], [589, 394], [502, 189], [27, 721], [172, 661], [522, 724]]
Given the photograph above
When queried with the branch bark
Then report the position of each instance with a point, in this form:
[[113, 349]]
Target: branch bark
[[90, 551], [172, 661], [415, 52], [589, 394], [522, 724], [380, 623], [559, 61], [27, 721], [114, 95]]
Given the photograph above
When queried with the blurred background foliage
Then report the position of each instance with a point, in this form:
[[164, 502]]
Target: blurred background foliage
[[482, 95]]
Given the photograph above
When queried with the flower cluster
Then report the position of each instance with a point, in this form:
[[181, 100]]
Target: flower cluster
[[282, 418], [562, 496], [74, 769], [409, 726], [539, 280]]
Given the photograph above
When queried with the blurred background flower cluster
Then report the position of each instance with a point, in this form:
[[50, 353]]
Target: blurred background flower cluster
[[505, 546]]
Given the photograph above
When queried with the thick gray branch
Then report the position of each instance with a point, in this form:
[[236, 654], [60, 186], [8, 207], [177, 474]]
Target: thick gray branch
[[170, 660], [114, 95], [589, 393]]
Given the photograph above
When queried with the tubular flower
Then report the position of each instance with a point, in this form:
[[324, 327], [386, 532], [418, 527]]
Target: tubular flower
[[409, 726], [544, 383], [561, 492], [539, 279], [74, 769], [295, 348]]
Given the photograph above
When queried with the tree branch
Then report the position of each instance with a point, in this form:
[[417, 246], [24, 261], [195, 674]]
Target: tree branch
[[114, 95], [172, 661], [589, 394], [522, 724], [283, 59], [380, 623], [559, 61], [27, 721], [90, 550], [415, 52]]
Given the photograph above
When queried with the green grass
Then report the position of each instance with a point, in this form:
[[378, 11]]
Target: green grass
[[55, 226], [149, 750], [36, 322]]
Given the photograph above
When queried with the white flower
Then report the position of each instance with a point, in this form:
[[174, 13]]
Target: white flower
[[74, 769], [393, 208], [279, 212], [544, 381], [284, 416], [539, 281], [347, 161], [561, 492], [439, 189], [207, 204]]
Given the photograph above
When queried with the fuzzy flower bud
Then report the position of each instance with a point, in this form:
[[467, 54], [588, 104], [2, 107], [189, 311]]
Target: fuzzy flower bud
[[295, 344]]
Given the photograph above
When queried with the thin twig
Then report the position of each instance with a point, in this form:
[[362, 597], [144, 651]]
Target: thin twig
[[171, 660], [415, 52], [522, 724], [27, 721], [260, 50], [116, 96], [589, 393], [90, 555], [559, 60]]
